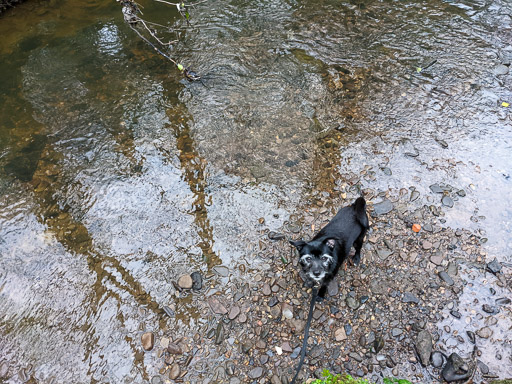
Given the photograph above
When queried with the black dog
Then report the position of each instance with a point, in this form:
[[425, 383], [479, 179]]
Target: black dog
[[321, 257]]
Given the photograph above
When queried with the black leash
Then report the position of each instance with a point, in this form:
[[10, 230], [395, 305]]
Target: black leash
[[306, 334]]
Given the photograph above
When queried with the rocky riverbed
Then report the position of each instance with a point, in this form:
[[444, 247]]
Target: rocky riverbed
[[417, 305]]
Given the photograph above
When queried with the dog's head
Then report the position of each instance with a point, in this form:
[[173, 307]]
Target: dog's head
[[317, 258]]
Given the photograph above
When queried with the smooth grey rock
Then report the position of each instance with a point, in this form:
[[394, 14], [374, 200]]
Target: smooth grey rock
[[197, 281], [424, 346], [437, 359], [446, 278], [436, 188], [447, 201], [410, 298], [383, 207], [255, 373]]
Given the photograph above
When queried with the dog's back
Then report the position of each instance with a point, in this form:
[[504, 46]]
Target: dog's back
[[348, 223]]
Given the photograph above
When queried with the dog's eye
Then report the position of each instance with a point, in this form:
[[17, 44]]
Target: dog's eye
[[325, 258]]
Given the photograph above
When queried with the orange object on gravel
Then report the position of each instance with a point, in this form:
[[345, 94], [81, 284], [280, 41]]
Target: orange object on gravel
[[416, 228]]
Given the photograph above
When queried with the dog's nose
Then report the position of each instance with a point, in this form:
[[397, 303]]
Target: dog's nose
[[317, 273]]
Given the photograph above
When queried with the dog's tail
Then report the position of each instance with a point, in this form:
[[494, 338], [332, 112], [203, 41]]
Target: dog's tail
[[360, 209]]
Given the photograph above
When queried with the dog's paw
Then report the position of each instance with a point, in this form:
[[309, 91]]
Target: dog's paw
[[309, 284], [356, 259]]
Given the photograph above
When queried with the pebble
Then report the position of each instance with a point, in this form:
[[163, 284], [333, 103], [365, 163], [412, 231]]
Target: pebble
[[436, 188], [410, 298], [4, 370], [216, 306], [266, 290], [471, 336], [490, 309], [352, 303], [456, 314], [197, 281], [501, 70], [256, 373], [174, 349], [242, 318], [437, 359], [447, 201], [234, 312], [276, 236], [494, 267], [383, 207], [340, 334], [148, 341], [482, 367], [414, 196], [174, 372], [221, 270], [348, 329], [295, 353], [446, 278], [424, 346], [484, 332], [437, 259], [503, 301], [185, 282], [396, 332], [426, 245]]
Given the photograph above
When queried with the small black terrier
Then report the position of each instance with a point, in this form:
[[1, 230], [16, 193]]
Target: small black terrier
[[321, 257]]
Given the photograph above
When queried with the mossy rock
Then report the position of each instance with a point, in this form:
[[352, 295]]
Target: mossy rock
[[506, 381]]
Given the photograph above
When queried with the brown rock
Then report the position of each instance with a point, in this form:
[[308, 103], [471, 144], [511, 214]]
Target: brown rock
[[286, 347], [185, 282], [174, 372], [340, 334], [217, 306], [426, 245], [148, 341], [234, 312], [175, 349]]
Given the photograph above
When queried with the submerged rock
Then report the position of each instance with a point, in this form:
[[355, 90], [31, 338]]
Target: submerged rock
[[383, 207], [494, 267], [456, 369], [197, 281], [185, 282], [148, 341], [437, 359]]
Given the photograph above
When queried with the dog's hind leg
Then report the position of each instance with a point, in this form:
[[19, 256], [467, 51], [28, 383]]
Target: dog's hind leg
[[358, 244]]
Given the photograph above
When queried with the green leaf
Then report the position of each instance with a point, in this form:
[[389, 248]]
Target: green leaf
[[418, 69], [180, 67], [187, 15]]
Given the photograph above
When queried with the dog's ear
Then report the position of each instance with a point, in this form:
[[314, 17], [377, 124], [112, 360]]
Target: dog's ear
[[299, 244], [331, 243]]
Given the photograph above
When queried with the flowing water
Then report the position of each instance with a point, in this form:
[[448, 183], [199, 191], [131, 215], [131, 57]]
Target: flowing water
[[117, 175]]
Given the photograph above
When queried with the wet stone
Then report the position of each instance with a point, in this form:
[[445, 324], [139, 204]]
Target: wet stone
[[185, 282], [266, 290], [348, 329], [501, 70], [255, 373], [494, 267], [221, 270], [383, 207], [410, 298], [437, 359], [484, 332], [275, 236], [503, 301], [174, 349], [436, 188], [490, 309], [197, 281], [295, 353], [456, 314], [424, 347], [340, 334], [234, 312], [273, 301], [156, 380], [148, 341], [471, 336], [174, 372], [414, 196], [446, 278], [352, 303], [456, 369], [447, 201], [461, 193], [4, 370], [482, 367], [216, 306]]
